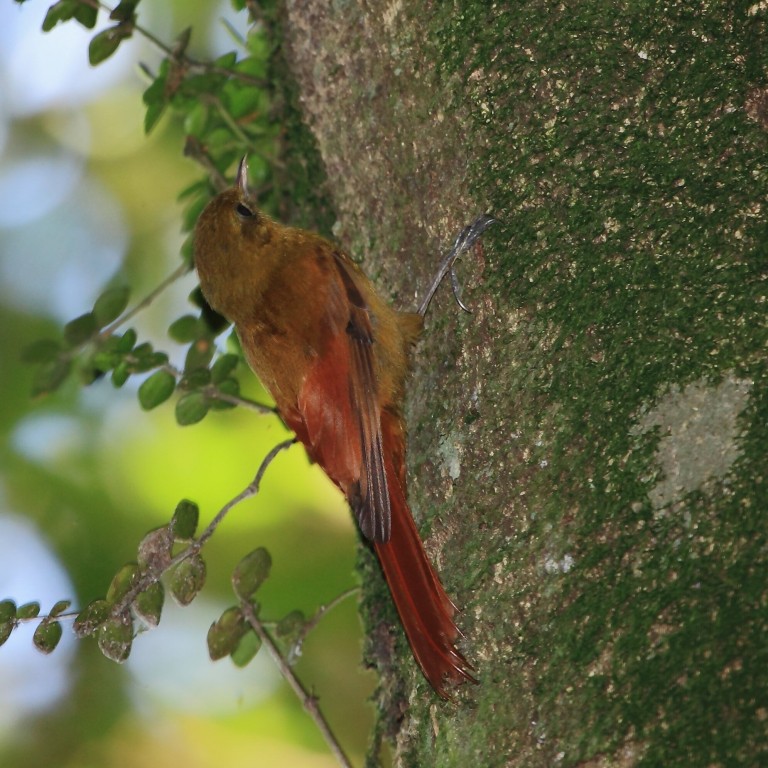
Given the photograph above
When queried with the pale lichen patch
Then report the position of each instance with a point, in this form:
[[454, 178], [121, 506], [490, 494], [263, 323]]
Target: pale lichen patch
[[699, 435]]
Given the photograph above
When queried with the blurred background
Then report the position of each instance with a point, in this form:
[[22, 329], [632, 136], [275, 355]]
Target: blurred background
[[86, 199]]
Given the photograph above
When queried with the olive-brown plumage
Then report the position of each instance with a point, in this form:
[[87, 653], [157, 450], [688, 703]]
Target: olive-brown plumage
[[335, 357]]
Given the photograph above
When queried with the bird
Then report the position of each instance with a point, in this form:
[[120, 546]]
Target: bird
[[335, 357]]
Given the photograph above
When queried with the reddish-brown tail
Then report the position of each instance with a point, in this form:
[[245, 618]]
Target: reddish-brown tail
[[333, 437], [425, 610]]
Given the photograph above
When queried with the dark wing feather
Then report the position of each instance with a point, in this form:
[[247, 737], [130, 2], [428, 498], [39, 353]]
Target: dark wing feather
[[339, 407], [373, 510]]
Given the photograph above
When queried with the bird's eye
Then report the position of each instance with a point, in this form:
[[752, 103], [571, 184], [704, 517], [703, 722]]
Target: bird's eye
[[243, 211]]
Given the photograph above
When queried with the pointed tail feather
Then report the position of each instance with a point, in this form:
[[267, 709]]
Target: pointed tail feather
[[425, 610]]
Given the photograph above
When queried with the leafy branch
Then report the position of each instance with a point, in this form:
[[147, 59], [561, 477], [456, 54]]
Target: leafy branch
[[225, 109], [93, 340], [308, 700], [137, 592]]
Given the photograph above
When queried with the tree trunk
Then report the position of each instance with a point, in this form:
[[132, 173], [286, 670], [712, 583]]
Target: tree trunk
[[587, 449]]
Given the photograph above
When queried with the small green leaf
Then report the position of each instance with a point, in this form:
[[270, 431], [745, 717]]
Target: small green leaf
[[110, 305], [258, 169], [255, 64], [223, 367], [247, 648], [196, 190], [187, 580], [156, 359], [191, 408], [199, 354], [28, 610], [121, 374], [218, 139], [185, 329], [91, 618], [149, 604], [80, 330], [153, 114], [194, 87], [187, 251], [155, 549], [185, 519], [122, 582], [42, 351], [156, 389], [196, 120], [127, 341], [155, 97], [51, 377], [47, 635], [251, 572], [86, 14], [60, 607], [291, 625], [7, 610], [243, 101], [145, 358], [229, 387], [116, 637], [6, 627], [103, 361], [225, 634], [106, 42], [89, 373], [197, 379], [61, 11], [111, 344], [194, 209], [227, 60], [125, 11]]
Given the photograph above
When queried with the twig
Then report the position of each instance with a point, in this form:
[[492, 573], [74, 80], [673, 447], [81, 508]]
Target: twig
[[177, 273], [215, 393], [250, 490], [194, 149], [321, 611], [152, 576], [307, 699]]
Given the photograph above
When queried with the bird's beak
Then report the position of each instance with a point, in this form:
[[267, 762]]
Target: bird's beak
[[242, 176]]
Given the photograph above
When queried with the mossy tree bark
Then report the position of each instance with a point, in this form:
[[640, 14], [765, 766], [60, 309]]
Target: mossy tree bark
[[587, 450]]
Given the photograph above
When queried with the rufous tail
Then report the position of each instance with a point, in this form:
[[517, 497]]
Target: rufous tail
[[425, 610]]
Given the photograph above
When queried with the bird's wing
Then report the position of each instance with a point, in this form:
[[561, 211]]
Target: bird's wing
[[339, 404]]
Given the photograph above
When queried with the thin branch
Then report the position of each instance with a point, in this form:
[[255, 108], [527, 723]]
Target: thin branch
[[215, 393], [230, 122], [150, 577], [250, 490], [177, 273], [307, 699], [193, 148], [321, 611]]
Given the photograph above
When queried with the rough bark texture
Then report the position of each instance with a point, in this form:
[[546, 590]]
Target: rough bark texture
[[587, 449]]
